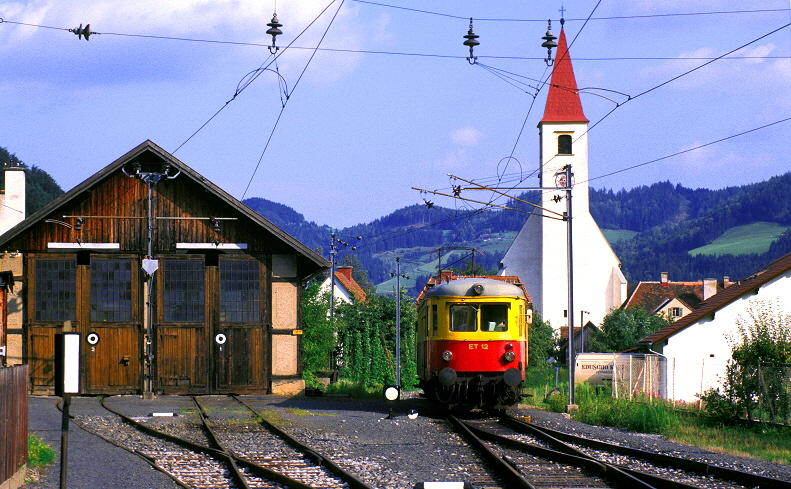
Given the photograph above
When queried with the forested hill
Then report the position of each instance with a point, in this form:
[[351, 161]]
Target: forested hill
[[663, 221], [40, 187], [673, 220]]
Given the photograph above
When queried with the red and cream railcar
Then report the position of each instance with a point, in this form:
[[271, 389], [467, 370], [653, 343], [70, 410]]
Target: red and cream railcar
[[472, 342]]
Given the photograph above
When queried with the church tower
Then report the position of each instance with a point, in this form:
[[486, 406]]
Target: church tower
[[538, 255]]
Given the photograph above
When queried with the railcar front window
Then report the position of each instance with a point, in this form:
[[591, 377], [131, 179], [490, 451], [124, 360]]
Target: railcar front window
[[494, 317], [463, 318]]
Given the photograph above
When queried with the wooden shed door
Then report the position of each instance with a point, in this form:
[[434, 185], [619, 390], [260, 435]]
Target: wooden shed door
[[238, 340], [114, 363], [181, 332], [52, 301]]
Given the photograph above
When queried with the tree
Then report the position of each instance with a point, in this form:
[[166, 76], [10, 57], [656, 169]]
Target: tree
[[622, 329], [367, 331], [541, 342], [757, 377], [318, 333]]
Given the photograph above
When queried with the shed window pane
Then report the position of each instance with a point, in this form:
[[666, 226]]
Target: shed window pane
[[55, 290], [111, 291], [240, 291], [184, 291], [564, 144]]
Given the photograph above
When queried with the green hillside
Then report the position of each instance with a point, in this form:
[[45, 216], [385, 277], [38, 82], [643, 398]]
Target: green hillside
[[756, 237]]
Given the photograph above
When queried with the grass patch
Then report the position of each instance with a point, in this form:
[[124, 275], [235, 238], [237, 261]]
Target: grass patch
[[742, 240], [273, 417], [354, 389], [760, 441], [39, 453], [305, 413], [648, 415], [615, 235]]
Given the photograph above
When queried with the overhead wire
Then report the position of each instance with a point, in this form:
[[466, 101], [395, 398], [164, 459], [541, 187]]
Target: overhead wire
[[271, 134]]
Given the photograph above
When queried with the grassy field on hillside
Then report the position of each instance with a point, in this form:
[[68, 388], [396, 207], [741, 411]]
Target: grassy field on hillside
[[615, 235], [741, 240]]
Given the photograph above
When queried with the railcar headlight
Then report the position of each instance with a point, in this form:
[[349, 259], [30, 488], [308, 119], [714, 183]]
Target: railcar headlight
[[509, 356], [447, 355]]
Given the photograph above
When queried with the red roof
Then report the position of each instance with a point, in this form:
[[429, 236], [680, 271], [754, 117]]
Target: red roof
[[563, 100], [652, 295], [344, 276]]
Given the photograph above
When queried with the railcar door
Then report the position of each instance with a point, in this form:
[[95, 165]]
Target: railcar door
[[113, 361], [238, 333]]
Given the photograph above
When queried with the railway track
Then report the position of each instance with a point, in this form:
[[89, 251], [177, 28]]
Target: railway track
[[529, 456], [235, 449]]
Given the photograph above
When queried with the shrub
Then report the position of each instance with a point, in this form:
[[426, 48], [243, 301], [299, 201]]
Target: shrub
[[38, 452]]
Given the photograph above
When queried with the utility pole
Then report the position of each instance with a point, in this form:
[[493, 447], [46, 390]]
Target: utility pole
[[570, 257], [398, 276], [150, 265]]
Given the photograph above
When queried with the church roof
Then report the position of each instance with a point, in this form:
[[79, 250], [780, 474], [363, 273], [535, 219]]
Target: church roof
[[563, 100]]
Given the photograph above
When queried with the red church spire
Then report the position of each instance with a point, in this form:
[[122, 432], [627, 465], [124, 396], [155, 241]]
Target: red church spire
[[563, 100]]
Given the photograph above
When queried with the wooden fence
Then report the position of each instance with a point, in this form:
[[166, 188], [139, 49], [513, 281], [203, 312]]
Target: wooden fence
[[13, 425]]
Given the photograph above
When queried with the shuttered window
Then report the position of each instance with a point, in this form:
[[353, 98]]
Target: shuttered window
[[111, 291], [240, 291], [55, 290], [184, 291]]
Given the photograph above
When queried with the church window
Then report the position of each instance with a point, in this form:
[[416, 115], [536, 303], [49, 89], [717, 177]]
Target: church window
[[564, 144]]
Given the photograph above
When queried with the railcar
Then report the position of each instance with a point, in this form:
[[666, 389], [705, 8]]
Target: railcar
[[472, 342]]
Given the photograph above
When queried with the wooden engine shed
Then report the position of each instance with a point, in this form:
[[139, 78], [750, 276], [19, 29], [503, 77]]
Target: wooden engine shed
[[188, 291]]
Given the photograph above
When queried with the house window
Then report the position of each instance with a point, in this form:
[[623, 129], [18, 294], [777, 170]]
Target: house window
[[676, 312], [184, 291], [240, 291], [55, 290], [564, 144], [434, 320], [111, 291]]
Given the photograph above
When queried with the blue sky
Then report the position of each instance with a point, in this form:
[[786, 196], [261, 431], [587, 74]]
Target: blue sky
[[390, 102]]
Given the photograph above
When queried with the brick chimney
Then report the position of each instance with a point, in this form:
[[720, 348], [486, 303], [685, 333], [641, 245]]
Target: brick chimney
[[12, 199], [709, 287], [663, 279], [344, 270], [726, 282]]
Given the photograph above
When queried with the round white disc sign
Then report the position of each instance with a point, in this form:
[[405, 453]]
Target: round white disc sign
[[92, 338], [220, 338]]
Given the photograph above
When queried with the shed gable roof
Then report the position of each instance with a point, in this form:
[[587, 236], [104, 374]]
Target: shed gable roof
[[147, 151]]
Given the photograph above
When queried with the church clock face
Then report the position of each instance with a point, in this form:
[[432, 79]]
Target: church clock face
[[560, 180]]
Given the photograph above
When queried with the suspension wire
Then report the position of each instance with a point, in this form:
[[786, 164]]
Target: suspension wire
[[272, 133]]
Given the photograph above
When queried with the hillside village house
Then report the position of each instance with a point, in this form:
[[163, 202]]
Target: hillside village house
[[670, 299], [696, 346], [345, 288], [223, 283], [538, 254]]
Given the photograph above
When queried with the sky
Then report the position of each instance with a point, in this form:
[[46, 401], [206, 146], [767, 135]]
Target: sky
[[389, 101]]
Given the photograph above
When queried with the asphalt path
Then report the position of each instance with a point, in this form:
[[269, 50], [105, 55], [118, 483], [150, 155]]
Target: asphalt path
[[92, 462]]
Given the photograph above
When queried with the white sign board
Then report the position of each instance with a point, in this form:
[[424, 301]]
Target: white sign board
[[71, 363]]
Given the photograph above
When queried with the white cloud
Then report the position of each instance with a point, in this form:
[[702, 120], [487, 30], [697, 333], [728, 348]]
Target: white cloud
[[466, 136]]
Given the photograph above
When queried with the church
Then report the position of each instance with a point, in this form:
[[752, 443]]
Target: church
[[539, 253]]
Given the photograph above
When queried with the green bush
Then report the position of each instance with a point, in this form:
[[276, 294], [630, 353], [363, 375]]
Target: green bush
[[38, 452]]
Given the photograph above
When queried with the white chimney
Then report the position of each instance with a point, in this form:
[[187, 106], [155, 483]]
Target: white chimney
[[12, 199], [709, 287]]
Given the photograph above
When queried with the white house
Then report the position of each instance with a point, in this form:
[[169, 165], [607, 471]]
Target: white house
[[539, 253], [345, 289], [696, 346]]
